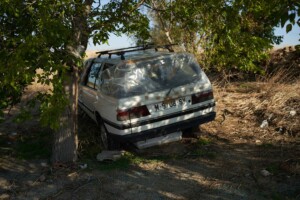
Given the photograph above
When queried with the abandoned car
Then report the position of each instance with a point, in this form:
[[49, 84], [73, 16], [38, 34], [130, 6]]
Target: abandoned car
[[145, 96]]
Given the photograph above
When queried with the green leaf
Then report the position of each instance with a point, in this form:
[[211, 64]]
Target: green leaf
[[283, 20], [297, 47], [289, 27], [292, 18]]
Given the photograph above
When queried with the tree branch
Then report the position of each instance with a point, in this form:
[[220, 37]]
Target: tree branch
[[152, 8]]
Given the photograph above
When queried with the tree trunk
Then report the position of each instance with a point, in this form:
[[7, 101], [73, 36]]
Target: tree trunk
[[66, 137]]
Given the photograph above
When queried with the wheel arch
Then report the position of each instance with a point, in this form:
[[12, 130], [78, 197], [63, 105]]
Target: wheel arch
[[98, 117]]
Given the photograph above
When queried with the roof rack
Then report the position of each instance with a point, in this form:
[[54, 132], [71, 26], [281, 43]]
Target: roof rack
[[121, 52]]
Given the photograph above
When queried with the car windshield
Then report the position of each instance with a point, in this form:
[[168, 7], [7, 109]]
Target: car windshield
[[158, 73]]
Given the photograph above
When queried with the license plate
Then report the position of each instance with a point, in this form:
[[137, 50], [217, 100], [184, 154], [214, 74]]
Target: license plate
[[171, 103]]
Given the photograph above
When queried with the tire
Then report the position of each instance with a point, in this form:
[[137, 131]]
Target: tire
[[107, 142], [103, 136]]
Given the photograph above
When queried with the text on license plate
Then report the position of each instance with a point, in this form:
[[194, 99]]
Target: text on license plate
[[174, 103]]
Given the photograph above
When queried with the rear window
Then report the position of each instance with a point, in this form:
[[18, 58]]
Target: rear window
[[145, 76]]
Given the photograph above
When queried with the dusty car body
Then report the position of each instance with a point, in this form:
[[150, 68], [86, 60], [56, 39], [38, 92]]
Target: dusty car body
[[146, 98]]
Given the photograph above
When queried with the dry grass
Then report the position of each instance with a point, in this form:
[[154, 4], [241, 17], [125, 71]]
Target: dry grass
[[35, 88], [277, 88], [242, 106], [90, 54]]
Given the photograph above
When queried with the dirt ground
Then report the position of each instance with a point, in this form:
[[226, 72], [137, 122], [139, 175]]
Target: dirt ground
[[233, 157]]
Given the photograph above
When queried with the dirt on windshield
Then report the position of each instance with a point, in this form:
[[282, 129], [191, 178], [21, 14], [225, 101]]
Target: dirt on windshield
[[251, 151]]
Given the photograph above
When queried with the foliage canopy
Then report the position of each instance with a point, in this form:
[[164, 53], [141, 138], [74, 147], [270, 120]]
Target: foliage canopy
[[52, 35], [231, 34]]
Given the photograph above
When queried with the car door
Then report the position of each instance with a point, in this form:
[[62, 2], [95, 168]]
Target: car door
[[106, 105], [88, 93]]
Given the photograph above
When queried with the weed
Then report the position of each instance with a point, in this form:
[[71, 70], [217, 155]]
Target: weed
[[125, 162], [88, 148], [273, 168], [267, 145], [1, 116], [277, 196], [201, 148], [163, 158], [248, 87], [204, 153], [203, 141], [89, 140], [5, 148], [122, 163], [32, 150], [23, 116], [282, 75], [34, 146], [3, 141]]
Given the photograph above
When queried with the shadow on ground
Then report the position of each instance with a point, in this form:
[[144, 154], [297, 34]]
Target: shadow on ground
[[210, 167]]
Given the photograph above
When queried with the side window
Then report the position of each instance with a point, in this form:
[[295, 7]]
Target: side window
[[93, 74], [106, 74], [83, 73]]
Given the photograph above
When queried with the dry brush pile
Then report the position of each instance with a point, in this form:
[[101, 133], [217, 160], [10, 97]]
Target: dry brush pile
[[266, 109]]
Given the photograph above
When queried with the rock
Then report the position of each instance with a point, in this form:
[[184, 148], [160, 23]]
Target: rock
[[264, 124], [139, 173], [293, 113], [109, 155], [257, 141], [44, 164], [281, 130], [73, 175], [4, 196], [270, 117], [13, 136], [265, 173], [42, 178], [83, 166], [4, 184]]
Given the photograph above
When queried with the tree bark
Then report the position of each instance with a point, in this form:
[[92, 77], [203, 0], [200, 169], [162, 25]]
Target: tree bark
[[66, 138]]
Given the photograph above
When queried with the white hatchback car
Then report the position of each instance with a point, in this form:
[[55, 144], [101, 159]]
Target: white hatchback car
[[146, 97]]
